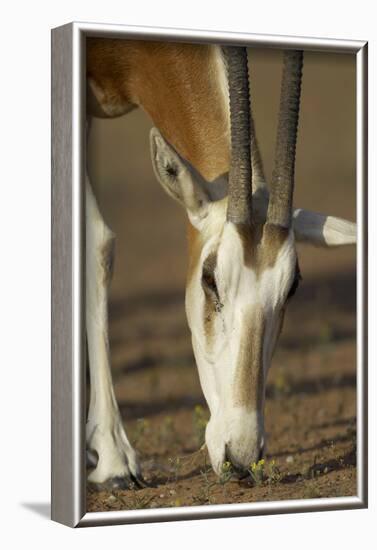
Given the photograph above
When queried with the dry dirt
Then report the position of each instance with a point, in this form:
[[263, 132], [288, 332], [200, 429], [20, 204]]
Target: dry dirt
[[311, 394]]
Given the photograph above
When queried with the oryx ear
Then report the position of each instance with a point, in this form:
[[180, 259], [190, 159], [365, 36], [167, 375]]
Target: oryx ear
[[177, 178], [322, 230]]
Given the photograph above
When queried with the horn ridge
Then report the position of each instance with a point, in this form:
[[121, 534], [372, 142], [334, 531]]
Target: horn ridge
[[282, 185], [240, 173]]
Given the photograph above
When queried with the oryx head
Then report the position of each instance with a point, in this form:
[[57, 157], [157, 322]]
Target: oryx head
[[243, 266]]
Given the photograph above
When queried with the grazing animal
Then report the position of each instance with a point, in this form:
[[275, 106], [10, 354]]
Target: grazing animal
[[243, 265]]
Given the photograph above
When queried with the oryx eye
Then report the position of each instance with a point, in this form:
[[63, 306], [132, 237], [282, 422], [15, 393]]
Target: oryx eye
[[208, 275], [209, 281], [210, 288]]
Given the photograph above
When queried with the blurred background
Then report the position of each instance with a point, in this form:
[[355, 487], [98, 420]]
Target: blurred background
[[311, 392]]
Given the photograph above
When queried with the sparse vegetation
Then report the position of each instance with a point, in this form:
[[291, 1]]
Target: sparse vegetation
[[263, 471], [274, 474], [256, 471], [204, 495], [227, 473]]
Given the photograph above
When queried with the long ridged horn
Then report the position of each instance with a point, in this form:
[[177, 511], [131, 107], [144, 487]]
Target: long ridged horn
[[281, 195], [240, 191]]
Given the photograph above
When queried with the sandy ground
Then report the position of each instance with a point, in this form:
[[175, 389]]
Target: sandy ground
[[311, 394]]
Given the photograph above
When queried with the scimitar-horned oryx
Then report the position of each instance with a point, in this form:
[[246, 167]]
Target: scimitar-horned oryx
[[243, 265]]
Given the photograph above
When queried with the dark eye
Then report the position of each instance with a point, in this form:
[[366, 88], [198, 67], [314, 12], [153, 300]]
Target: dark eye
[[210, 288], [209, 282], [296, 282], [208, 274]]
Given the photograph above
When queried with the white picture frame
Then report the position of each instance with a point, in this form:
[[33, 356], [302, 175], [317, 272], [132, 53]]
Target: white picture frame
[[68, 283]]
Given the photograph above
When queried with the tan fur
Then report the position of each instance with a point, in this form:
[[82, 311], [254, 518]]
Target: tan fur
[[261, 244], [249, 378], [177, 85], [274, 237]]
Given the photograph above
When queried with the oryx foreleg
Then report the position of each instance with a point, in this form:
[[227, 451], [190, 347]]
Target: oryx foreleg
[[117, 461]]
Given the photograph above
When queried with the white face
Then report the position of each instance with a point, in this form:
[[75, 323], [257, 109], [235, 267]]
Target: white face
[[235, 300], [240, 279]]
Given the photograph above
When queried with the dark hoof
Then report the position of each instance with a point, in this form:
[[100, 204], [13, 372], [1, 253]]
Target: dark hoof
[[139, 481]]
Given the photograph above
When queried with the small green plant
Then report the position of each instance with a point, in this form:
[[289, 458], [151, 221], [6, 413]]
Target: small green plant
[[226, 474], [274, 475], [199, 421], [257, 472], [204, 496]]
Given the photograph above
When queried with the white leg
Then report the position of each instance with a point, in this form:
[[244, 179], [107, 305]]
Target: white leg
[[117, 460]]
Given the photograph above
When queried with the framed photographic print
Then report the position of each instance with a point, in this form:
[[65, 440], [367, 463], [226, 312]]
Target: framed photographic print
[[206, 187]]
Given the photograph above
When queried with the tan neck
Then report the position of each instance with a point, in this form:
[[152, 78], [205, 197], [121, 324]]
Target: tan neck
[[182, 87]]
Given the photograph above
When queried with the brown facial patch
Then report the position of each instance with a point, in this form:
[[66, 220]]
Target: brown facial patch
[[261, 244], [250, 236], [249, 378], [274, 236]]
